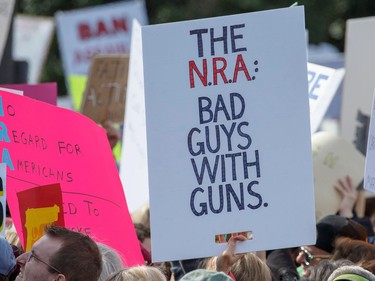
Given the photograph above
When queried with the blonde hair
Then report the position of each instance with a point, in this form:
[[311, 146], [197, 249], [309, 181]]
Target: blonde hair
[[248, 267], [251, 267], [142, 215], [141, 273]]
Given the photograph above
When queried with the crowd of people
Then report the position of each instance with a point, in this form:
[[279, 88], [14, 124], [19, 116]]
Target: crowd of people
[[344, 250]]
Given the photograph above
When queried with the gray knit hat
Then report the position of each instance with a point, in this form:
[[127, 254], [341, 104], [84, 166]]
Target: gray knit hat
[[351, 273], [205, 275]]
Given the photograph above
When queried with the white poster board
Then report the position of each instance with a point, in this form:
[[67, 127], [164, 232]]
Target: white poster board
[[3, 200], [6, 12], [133, 166], [323, 84], [228, 133], [359, 82], [103, 29], [369, 181], [32, 39]]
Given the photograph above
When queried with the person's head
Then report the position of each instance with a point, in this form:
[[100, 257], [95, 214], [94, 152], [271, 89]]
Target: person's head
[[7, 260], [328, 229], [142, 215], [61, 254], [331, 227], [143, 235], [111, 261], [353, 250], [138, 273], [165, 268], [324, 269], [250, 267]]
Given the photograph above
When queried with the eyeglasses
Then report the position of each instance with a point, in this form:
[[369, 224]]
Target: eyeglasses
[[31, 255], [308, 257]]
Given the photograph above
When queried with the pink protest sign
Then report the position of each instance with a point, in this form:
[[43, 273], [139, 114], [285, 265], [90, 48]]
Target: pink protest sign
[[43, 144], [46, 92]]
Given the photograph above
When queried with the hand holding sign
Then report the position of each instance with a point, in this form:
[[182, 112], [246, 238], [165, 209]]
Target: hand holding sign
[[225, 261]]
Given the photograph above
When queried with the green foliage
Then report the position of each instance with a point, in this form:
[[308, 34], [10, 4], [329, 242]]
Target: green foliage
[[325, 20]]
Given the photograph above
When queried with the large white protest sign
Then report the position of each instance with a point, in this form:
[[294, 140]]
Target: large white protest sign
[[359, 82], [2, 198], [323, 84], [369, 181], [133, 167], [32, 40], [6, 12], [228, 133]]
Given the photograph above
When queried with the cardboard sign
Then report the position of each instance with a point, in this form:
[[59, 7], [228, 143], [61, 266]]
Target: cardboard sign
[[369, 181], [6, 12], [228, 133], [3, 201], [323, 84], [359, 81], [39, 207], [104, 97], [46, 92], [55, 145], [133, 166], [32, 40], [103, 29], [334, 158]]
